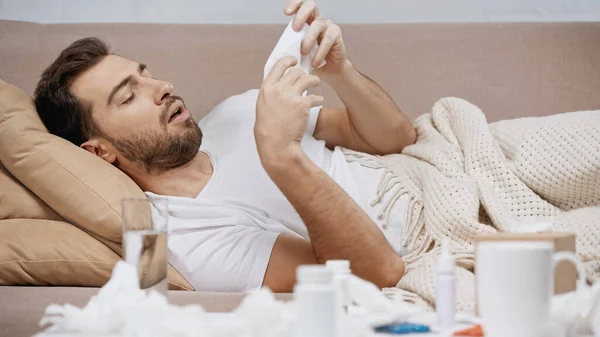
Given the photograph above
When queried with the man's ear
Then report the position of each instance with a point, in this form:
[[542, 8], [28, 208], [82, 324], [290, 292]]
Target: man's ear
[[99, 148]]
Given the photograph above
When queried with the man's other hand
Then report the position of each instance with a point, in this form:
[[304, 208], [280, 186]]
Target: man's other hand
[[281, 112]]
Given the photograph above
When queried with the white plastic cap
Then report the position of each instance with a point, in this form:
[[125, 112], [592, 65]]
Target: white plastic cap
[[338, 266], [446, 262], [313, 274]]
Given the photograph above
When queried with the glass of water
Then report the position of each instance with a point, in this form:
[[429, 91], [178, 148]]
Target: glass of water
[[145, 241]]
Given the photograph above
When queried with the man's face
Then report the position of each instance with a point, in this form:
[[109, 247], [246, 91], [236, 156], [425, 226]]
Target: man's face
[[139, 118]]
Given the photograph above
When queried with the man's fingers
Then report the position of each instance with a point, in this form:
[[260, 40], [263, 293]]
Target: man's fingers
[[305, 82], [279, 69], [305, 14], [317, 27], [292, 76], [315, 100], [330, 37], [292, 6]]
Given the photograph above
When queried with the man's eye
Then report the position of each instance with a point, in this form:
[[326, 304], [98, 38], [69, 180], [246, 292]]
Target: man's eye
[[130, 98]]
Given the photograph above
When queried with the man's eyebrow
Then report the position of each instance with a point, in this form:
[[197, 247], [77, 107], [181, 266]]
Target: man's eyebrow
[[123, 83]]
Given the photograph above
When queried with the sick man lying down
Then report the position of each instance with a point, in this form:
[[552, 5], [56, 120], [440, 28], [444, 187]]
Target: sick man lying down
[[270, 180]]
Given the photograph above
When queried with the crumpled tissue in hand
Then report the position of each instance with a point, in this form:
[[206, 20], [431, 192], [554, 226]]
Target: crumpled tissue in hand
[[121, 308], [290, 44]]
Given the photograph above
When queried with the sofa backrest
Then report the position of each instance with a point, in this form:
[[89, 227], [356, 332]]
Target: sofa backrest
[[507, 69]]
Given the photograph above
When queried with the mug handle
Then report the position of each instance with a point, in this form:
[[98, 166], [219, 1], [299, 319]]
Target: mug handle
[[571, 257]]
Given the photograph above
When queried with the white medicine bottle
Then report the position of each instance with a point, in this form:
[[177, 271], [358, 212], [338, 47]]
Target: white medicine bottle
[[315, 298], [341, 271]]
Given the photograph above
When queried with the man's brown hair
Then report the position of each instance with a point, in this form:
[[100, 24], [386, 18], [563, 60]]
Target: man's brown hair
[[64, 114]]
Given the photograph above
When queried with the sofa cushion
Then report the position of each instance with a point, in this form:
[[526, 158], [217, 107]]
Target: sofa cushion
[[46, 252], [16, 201], [82, 188]]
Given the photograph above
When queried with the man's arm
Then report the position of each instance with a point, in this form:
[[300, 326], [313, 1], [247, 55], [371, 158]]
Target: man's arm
[[371, 122], [337, 226]]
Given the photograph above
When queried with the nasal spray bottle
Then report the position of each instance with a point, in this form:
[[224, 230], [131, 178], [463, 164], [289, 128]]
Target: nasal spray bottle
[[445, 304], [315, 298]]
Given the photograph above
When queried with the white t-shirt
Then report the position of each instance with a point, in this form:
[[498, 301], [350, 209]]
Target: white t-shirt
[[222, 239]]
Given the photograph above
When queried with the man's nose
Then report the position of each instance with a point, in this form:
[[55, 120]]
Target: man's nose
[[165, 89]]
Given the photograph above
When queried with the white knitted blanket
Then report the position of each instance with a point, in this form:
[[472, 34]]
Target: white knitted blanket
[[466, 177]]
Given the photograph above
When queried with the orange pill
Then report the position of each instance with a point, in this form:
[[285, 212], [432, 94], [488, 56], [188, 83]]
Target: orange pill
[[476, 331]]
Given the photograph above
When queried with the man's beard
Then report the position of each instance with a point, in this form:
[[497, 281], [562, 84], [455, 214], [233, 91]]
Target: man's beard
[[157, 152]]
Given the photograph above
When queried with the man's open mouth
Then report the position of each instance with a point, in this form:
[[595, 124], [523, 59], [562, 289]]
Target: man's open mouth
[[175, 114], [178, 110]]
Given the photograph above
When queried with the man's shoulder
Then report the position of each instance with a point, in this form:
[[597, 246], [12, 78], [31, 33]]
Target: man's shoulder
[[234, 108], [229, 126]]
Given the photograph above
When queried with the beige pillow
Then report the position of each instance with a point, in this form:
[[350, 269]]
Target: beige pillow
[[79, 186], [17, 202], [45, 252], [84, 189]]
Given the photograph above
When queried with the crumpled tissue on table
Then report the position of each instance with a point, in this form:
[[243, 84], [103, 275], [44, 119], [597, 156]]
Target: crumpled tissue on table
[[121, 309], [575, 314]]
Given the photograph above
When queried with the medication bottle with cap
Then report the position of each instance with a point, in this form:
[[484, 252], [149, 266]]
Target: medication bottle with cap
[[445, 304], [341, 272], [315, 298]]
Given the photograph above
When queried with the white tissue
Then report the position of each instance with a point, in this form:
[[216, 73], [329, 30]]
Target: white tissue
[[120, 308], [266, 316], [531, 225], [290, 44], [375, 307], [575, 314], [368, 296]]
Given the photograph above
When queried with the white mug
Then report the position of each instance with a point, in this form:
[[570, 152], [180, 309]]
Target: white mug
[[515, 283]]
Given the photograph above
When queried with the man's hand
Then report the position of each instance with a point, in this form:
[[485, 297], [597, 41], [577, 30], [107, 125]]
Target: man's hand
[[370, 121], [326, 33], [281, 111]]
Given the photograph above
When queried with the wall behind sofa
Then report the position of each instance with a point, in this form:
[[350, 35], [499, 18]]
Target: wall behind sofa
[[270, 11]]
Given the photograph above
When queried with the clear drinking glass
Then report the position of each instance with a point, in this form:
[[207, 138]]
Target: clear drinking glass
[[145, 241]]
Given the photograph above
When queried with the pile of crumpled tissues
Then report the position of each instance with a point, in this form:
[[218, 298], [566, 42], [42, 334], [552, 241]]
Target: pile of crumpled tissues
[[575, 314], [120, 308]]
